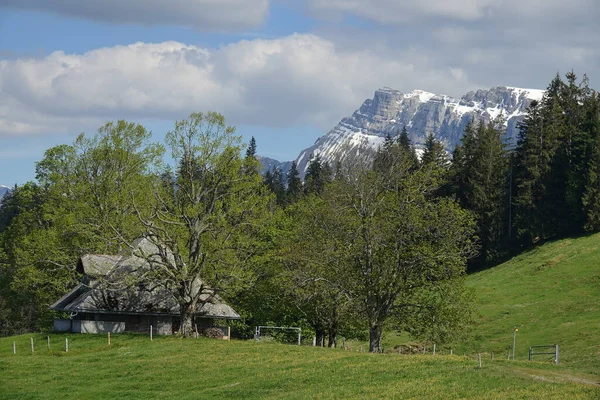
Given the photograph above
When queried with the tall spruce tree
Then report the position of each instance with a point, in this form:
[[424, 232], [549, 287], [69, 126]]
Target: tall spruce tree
[[294, 184], [404, 141], [539, 197], [480, 177], [318, 174], [591, 196], [434, 154], [274, 180]]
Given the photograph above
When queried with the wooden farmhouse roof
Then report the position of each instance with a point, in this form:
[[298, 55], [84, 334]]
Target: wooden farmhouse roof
[[109, 286]]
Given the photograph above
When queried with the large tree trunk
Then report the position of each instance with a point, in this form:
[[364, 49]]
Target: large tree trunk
[[332, 337], [332, 328], [375, 338], [320, 333], [188, 311]]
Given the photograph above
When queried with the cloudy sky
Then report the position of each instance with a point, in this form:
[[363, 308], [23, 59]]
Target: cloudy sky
[[284, 71]]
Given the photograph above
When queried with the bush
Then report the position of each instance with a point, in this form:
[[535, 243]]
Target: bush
[[215, 333]]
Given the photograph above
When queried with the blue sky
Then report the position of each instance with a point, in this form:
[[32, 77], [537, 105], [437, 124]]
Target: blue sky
[[284, 71]]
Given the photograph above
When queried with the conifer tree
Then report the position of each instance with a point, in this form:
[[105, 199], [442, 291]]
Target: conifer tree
[[273, 179], [251, 150], [294, 184], [404, 141], [434, 154], [480, 173], [251, 163], [540, 169], [591, 196], [318, 175]]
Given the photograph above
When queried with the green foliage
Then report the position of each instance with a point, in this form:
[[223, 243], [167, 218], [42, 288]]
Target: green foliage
[[206, 225], [34, 259], [274, 180], [555, 163], [379, 239], [480, 177], [294, 184], [318, 174], [434, 154]]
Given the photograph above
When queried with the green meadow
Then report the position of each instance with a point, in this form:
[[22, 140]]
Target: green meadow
[[135, 368], [551, 293]]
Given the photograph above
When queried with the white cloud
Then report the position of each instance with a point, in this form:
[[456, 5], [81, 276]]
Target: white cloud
[[416, 12], [406, 11], [299, 79], [205, 15]]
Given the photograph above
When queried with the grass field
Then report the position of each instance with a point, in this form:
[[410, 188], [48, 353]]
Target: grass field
[[135, 368], [551, 293]]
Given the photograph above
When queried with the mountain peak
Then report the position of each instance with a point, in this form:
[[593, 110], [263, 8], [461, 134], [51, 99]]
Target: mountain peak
[[422, 112], [421, 94]]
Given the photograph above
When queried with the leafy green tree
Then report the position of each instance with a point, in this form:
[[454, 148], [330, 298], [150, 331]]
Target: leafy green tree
[[395, 242], [312, 282], [207, 227], [35, 259]]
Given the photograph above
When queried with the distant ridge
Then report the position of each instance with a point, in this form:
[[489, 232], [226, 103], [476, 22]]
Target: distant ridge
[[4, 190], [359, 135]]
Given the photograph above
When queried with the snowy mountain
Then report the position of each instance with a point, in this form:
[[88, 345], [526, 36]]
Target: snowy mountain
[[4, 190], [359, 135]]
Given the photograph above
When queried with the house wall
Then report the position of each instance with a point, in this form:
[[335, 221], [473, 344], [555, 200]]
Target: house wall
[[62, 325], [84, 326], [117, 323]]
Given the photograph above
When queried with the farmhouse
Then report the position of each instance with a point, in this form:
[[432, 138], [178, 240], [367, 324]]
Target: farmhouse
[[116, 294]]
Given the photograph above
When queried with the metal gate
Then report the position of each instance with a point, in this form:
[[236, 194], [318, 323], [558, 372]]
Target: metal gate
[[534, 352]]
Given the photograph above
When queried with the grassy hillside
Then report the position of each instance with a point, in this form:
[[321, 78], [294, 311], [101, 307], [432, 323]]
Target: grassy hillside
[[552, 294], [133, 367]]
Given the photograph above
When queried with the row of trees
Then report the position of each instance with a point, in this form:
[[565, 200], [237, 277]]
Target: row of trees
[[545, 186], [350, 252]]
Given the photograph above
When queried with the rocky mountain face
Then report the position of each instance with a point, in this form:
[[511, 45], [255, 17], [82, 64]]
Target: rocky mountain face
[[359, 136], [4, 190], [269, 164]]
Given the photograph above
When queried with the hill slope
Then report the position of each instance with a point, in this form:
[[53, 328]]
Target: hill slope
[[552, 294], [135, 368]]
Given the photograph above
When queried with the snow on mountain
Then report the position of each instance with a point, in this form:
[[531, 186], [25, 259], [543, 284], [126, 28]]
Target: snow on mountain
[[4, 190], [359, 135]]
